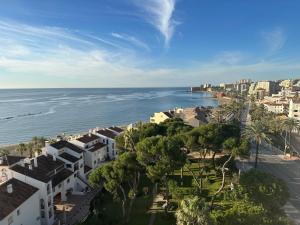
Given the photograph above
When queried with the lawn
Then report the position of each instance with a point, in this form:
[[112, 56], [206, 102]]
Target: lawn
[[109, 211]]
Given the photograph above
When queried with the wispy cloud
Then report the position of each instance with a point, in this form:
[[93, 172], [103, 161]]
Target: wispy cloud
[[230, 57], [159, 13], [274, 39], [131, 39]]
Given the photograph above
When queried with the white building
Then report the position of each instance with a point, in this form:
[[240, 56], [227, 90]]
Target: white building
[[294, 109], [95, 151], [6, 162], [277, 108], [73, 157], [19, 203], [159, 117], [108, 137], [49, 175]]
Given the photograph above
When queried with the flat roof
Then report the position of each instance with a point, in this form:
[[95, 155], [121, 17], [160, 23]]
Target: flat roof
[[116, 129], [65, 144], [107, 133], [69, 157], [97, 147], [87, 138], [9, 160]]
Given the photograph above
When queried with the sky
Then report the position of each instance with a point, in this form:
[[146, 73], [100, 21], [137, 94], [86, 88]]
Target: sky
[[146, 43]]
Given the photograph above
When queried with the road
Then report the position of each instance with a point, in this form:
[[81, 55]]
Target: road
[[271, 160]]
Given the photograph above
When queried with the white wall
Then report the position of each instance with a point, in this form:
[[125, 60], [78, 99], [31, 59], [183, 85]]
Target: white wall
[[29, 212], [43, 195]]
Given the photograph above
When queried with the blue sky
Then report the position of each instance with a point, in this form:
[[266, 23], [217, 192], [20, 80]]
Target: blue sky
[[153, 43]]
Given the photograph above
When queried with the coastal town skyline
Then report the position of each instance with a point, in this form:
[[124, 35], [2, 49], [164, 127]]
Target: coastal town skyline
[[149, 43]]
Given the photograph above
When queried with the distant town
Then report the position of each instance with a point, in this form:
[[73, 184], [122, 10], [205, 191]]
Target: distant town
[[281, 97]]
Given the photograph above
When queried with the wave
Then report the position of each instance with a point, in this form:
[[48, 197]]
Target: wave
[[51, 111], [17, 100]]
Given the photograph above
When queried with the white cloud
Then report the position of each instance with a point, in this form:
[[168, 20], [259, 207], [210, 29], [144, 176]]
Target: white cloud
[[230, 57], [57, 57], [131, 39], [159, 13], [274, 39]]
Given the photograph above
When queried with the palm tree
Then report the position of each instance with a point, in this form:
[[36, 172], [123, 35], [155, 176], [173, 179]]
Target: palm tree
[[30, 149], [289, 125], [192, 211], [257, 132], [21, 149], [4, 152]]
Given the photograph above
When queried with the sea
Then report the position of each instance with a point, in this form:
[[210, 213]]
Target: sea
[[25, 113]]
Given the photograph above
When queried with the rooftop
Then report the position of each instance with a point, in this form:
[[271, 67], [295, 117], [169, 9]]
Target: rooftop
[[116, 129], [87, 138], [69, 157], [64, 144], [45, 170], [10, 202], [9, 160], [60, 177], [97, 147], [107, 133], [168, 114]]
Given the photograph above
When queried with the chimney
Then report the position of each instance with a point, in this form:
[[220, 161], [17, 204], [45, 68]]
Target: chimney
[[54, 157], [9, 189], [35, 163]]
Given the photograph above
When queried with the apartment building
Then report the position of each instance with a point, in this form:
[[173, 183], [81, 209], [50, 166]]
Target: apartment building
[[95, 151], [294, 109], [108, 137], [49, 175], [277, 108], [19, 203], [6, 162]]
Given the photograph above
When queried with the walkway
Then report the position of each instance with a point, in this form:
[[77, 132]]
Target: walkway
[[157, 199], [75, 209]]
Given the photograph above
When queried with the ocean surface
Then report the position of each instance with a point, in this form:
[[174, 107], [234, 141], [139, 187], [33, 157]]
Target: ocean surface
[[25, 113]]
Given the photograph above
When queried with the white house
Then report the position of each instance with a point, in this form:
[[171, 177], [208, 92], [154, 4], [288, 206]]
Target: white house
[[277, 108], [49, 175], [108, 136], [19, 203], [294, 109], [159, 117], [6, 162], [95, 151], [73, 157]]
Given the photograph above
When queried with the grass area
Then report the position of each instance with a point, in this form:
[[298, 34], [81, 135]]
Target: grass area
[[110, 211]]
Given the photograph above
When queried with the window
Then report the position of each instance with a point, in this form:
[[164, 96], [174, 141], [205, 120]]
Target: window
[[50, 213], [95, 162], [18, 212], [10, 220], [81, 165], [42, 203], [43, 214], [48, 188], [68, 181], [113, 145]]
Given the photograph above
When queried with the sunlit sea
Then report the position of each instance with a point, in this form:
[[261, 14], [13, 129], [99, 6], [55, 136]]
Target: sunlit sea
[[25, 113]]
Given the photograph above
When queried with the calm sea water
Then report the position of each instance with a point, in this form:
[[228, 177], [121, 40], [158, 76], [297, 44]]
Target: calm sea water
[[48, 112]]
